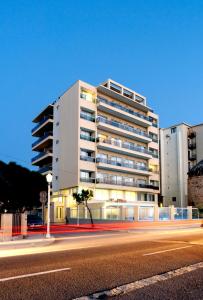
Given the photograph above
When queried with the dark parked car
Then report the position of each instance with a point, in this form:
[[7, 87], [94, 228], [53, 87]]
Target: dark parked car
[[34, 222]]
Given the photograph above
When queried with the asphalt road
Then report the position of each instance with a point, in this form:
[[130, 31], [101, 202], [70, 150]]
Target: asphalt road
[[104, 267]]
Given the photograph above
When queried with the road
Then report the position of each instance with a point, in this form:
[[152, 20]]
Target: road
[[111, 260]]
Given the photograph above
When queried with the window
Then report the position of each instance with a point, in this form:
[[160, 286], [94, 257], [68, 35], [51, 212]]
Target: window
[[59, 212], [173, 130], [57, 141], [84, 175], [57, 159], [57, 123], [174, 199], [102, 156], [56, 177]]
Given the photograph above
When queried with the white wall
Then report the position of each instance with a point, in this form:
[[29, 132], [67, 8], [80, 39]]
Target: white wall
[[174, 165], [66, 113]]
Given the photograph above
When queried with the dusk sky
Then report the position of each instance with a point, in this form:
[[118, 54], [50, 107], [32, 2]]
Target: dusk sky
[[154, 47]]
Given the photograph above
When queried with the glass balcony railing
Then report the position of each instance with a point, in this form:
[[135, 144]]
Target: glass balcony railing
[[90, 180], [130, 111], [45, 169], [122, 126], [87, 158], [87, 138], [124, 182], [122, 164], [47, 134], [41, 155], [42, 122], [124, 145], [87, 117]]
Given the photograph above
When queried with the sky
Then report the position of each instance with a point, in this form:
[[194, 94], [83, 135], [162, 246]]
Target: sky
[[153, 47]]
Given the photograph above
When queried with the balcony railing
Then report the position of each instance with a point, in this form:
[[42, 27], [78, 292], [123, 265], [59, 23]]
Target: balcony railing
[[121, 164], [90, 180], [45, 169], [87, 158], [124, 145], [155, 125], [124, 182], [42, 138], [87, 138], [130, 111], [87, 117], [191, 145], [42, 122], [41, 155], [122, 126], [192, 156], [85, 97]]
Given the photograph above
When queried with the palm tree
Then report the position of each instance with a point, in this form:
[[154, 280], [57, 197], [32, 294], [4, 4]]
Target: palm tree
[[83, 197]]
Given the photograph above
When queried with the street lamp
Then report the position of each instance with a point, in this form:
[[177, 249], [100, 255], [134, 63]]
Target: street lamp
[[49, 180]]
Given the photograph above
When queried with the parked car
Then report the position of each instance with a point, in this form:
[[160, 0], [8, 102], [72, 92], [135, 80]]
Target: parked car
[[34, 222]]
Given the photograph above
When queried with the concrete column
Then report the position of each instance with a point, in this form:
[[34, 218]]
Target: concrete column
[[189, 212], [156, 213], [6, 226], [85, 212], [136, 213], [122, 213], [24, 224], [52, 212], [172, 211], [102, 213]]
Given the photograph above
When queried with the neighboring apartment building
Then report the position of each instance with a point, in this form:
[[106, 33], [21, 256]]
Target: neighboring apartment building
[[104, 138], [181, 148]]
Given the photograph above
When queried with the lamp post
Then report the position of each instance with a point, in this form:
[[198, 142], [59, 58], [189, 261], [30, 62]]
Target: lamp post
[[49, 180]]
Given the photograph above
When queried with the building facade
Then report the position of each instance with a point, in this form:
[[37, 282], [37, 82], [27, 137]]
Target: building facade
[[103, 138], [181, 148]]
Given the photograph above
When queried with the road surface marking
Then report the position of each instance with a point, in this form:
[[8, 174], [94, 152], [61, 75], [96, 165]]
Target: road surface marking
[[33, 274], [162, 251], [136, 285]]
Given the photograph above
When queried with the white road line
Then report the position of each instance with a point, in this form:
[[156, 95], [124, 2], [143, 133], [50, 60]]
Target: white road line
[[33, 274], [136, 285], [168, 250]]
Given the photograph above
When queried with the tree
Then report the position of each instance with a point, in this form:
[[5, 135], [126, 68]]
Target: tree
[[19, 188], [83, 198]]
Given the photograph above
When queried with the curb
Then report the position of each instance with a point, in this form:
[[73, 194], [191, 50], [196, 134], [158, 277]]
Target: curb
[[11, 245]]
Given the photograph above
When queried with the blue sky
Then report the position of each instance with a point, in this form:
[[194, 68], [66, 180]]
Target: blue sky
[[154, 47]]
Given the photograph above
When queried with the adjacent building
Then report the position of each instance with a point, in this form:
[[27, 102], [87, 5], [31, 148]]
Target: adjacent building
[[104, 138], [181, 148]]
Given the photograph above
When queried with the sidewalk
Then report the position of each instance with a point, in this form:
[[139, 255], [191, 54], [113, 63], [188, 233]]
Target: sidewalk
[[38, 239]]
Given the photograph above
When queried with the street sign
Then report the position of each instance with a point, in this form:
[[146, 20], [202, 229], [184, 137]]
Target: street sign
[[43, 196]]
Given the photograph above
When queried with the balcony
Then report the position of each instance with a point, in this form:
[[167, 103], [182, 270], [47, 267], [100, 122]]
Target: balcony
[[87, 117], [87, 180], [191, 134], [87, 158], [123, 148], [192, 157], [45, 169], [191, 146], [46, 124], [42, 158], [43, 142], [124, 130], [123, 182], [135, 100], [87, 138], [122, 166], [122, 112]]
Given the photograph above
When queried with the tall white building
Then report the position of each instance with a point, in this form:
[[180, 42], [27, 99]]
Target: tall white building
[[181, 147], [103, 138]]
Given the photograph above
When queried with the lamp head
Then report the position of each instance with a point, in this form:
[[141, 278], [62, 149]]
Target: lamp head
[[49, 177]]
